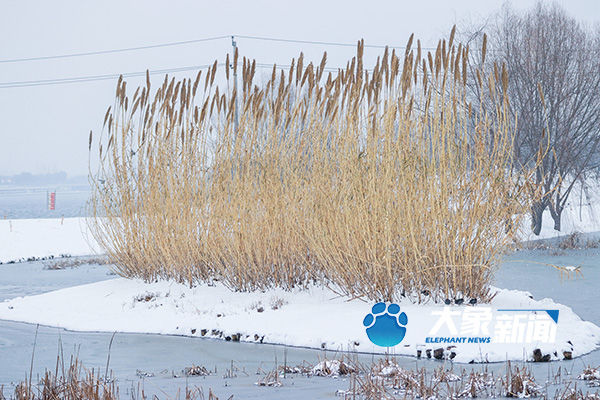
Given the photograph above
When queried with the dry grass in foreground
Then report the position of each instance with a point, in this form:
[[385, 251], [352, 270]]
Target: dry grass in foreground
[[72, 383], [386, 380], [383, 379], [381, 183], [77, 383]]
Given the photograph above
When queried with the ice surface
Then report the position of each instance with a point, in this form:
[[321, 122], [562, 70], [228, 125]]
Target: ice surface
[[160, 353]]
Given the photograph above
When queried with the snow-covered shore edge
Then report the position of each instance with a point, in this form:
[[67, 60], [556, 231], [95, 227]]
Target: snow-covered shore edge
[[313, 318]]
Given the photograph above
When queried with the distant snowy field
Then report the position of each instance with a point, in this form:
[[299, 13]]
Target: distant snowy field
[[21, 239]]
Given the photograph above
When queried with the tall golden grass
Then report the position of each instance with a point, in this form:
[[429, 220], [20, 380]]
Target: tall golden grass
[[380, 183]]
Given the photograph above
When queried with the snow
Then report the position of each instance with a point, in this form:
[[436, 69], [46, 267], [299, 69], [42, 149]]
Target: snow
[[331, 368], [21, 239], [314, 318], [590, 374]]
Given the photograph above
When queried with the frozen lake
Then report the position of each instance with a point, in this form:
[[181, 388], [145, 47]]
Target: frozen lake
[[165, 355], [32, 202]]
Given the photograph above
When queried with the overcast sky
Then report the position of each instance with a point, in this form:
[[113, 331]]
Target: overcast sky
[[45, 128]]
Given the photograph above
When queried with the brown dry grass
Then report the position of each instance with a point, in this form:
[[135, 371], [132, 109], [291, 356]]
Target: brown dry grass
[[72, 383], [378, 183], [74, 262], [75, 382]]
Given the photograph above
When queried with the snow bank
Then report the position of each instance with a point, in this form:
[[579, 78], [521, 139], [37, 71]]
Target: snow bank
[[21, 239], [315, 318]]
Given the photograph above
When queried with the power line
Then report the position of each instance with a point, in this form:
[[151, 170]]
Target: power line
[[90, 78], [186, 42], [92, 53], [60, 81], [316, 42], [288, 66]]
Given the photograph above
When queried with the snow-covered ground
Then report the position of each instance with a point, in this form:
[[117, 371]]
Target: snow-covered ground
[[21, 239], [315, 318]]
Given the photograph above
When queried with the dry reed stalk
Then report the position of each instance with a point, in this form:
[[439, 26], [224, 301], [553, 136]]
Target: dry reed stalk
[[380, 184], [74, 383]]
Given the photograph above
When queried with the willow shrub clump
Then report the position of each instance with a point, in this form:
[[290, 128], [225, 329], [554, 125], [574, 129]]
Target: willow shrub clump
[[380, 183]]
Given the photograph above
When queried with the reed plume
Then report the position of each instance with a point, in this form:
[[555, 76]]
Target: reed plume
[[380, 183]]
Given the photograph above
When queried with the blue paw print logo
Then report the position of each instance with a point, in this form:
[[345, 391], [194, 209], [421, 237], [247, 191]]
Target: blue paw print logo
[[386, 324]]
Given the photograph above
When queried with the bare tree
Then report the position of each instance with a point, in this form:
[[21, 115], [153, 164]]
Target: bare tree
[[553, 65]]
